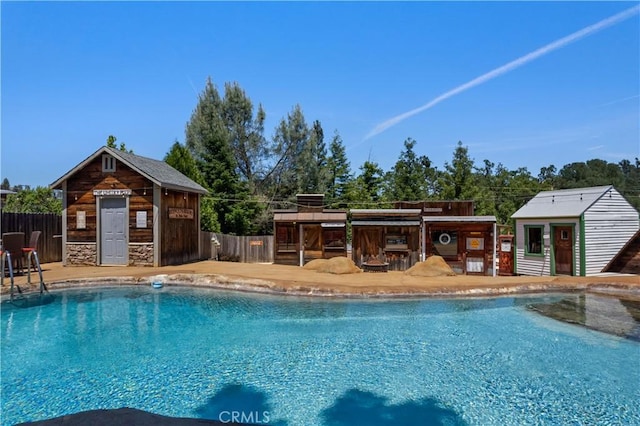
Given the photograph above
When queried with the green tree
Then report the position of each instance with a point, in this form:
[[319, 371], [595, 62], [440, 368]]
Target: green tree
[[111, 143], [548, 177], [458, 182], [179, 157], [338, 171], [490, 187], [411, 177], [592, 173], [208, 137], [366, 190], [630, 186], [289, 142], [246, 134], [313, 162], [38, 200], [5, 184]]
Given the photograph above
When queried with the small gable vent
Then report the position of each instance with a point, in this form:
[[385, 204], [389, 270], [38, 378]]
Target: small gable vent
[[108, 163]]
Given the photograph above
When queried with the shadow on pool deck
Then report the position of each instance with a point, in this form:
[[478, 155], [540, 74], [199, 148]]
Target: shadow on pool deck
[[366, 408]]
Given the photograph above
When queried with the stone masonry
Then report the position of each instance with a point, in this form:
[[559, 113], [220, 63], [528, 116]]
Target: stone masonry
[[141, 254], [81, 254]]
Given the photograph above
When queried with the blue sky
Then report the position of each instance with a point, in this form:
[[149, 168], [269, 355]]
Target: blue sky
[[74, 73]]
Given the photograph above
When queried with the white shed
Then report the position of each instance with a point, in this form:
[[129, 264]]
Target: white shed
[[572, 231]]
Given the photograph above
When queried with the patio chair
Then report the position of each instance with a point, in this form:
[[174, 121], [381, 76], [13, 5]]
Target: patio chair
[[13, 243], [32, 249]]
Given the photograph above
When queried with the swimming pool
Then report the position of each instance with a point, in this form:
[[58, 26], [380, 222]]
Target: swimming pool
[[295, 361]]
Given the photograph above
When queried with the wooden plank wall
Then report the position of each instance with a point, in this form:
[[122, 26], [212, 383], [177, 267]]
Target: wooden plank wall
[[50, 243], [439, 208], [247, 249], [80, 197], [180, 237], [369, 241], [207, 248]]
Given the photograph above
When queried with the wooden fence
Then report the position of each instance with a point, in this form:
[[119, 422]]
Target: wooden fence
[[231, 248], [50, 243]]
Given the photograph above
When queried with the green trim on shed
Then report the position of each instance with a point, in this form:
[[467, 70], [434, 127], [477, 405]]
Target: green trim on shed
[[583, 247], [552, 244]]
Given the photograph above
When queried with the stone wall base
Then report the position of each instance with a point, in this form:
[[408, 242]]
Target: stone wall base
[[86, 254], [141, 254], [81, 254]]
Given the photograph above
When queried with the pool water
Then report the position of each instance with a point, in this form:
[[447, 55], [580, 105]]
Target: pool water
[[295, 361]]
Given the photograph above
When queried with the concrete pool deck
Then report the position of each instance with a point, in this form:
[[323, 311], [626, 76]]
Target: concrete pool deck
[[294, 280]]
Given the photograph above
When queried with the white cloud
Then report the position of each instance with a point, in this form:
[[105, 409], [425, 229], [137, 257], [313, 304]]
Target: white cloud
[[605, 23]]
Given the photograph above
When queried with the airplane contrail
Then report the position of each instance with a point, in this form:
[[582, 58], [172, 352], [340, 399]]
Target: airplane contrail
[[615, 19]]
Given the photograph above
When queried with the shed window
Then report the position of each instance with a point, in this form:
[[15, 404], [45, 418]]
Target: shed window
[[533, 239], [445, 243], [286, 237], [334, 238], [108, 163]]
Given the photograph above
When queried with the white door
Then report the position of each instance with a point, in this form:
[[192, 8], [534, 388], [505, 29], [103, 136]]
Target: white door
[[113, 230]]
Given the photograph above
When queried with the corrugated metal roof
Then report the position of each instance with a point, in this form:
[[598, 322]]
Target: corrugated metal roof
[[454, 219], [385, 223], [156, 171], [561, 203], [310, 217]]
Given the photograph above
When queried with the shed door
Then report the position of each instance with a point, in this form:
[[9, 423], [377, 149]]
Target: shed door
[[563, 249], [113, 238], [475, 249]]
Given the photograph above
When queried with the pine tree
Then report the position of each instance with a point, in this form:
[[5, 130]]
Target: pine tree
[[409, 178], [208, 137], [338, 171]]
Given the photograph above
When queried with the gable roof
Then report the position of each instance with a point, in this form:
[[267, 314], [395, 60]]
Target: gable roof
[[156, 171], [561, 203]]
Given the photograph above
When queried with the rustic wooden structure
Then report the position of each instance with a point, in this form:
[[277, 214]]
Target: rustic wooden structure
[[439, 207], [572, 231], [466, 243], [124, 209], [391, 236], [243, 249], [309, 232], [627, 261]]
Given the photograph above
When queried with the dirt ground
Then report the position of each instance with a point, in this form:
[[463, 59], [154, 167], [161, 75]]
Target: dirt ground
[[300, 281]]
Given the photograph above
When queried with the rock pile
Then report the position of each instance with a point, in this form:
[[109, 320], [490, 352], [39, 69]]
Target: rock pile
[[434, 266], [335, 265]]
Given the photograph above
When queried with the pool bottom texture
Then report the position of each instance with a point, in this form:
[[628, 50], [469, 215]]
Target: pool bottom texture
[[292, 361]]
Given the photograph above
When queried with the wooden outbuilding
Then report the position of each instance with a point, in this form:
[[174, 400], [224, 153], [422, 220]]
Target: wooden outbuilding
[[309, 232], [466, 243], [572, 231], [387, 235], [415, 230], [125, 209]]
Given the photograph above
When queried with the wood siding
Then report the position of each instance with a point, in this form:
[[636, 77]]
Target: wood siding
[[608, 225], [439, 208], [370, 242], [245, 249], [627, 261], [179, 237], [50, 242], [79, 197], [457, 259]]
